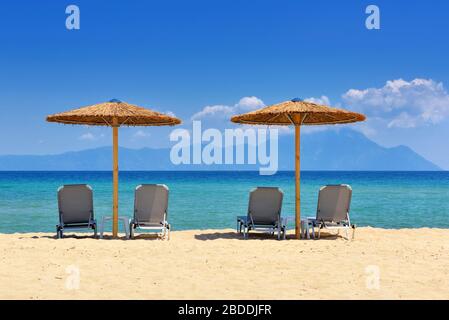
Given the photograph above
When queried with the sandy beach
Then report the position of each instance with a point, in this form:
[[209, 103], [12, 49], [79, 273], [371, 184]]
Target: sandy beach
[[218, 264]]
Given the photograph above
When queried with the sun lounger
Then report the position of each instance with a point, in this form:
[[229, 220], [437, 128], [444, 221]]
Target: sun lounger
[[264, 212], [76, 209], [333, 209], [150, 209]]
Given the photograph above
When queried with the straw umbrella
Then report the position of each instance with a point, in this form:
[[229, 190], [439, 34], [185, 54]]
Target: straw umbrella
[[114, 113], [297, 113]]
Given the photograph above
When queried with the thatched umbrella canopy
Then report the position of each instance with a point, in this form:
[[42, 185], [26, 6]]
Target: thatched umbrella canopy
[[104, 114], [114, 113], [297, 113]]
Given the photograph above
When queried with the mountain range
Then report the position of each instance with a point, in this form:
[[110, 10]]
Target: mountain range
[[344, 149]]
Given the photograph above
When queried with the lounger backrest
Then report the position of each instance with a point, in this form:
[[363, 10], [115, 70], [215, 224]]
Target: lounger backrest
[[75, 204], [150, 203], [334, 202], [265, 205]]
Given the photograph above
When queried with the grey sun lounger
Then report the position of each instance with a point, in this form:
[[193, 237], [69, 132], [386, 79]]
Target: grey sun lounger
[[264, 212], [76, 209], [151, 209], [332, 213]]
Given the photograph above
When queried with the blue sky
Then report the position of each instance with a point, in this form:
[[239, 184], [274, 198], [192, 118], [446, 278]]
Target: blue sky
[[182, 56]]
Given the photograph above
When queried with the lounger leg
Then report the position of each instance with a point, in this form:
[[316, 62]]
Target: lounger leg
[[131, 230], [303, 230], [102, 227], [307, 230], [126, 227], [95, 230], [58, 232], [164, 232]]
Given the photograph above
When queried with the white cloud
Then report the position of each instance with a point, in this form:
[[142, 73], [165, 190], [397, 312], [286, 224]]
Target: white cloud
[[249, 104], [221, 112], [141, 134], [403, 120], [213, 111], [324, 100], [87, 136], [402, 104]]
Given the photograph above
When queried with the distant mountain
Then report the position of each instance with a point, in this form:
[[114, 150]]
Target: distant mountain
[[327, 150], [347, 149]]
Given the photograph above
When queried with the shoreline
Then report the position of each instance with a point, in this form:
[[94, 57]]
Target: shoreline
[[218, 264]]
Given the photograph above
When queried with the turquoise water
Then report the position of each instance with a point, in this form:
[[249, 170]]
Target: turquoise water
[[200, 200]]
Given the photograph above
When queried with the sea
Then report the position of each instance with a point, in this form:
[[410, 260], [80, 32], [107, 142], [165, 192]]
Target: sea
[[213, 199]]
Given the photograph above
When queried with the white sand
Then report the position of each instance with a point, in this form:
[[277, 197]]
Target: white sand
[[217, 264]]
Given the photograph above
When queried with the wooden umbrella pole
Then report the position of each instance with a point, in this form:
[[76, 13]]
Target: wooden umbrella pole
[[115, 177], [297, 183]]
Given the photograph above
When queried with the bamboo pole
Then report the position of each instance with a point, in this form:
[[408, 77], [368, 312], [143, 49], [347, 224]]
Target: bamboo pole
[[115, 177], [297, 183]]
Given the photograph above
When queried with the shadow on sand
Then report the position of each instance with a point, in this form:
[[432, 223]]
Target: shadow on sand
[[229, 235], [105, 237], [258, 236]]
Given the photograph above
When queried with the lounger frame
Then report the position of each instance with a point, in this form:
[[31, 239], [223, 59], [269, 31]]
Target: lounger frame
[[248, 223], [89, 223], [164, 227], [331, 223]]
